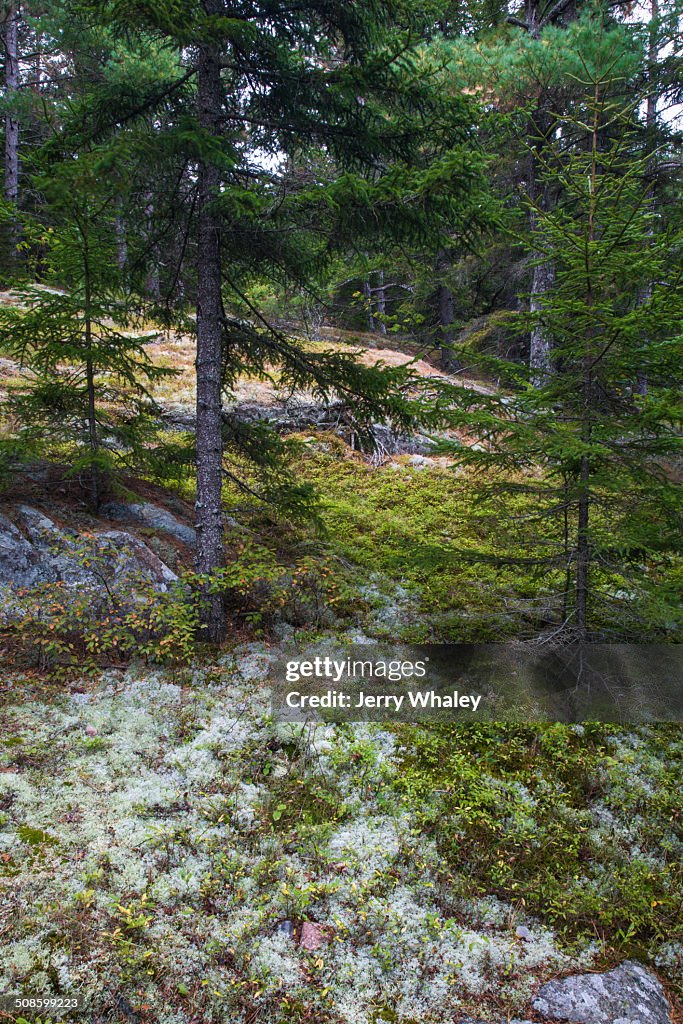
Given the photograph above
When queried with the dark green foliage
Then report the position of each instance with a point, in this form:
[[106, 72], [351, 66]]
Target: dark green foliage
[[577, 824], [80, 339], [604, 425]]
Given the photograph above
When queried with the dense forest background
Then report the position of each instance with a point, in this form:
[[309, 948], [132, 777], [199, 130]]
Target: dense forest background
[[328, 323], [492, 191]]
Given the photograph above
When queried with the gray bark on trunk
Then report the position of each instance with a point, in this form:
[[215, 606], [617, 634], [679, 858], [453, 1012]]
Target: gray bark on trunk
[[543, 274], [367, 295], [540, 346], [583, 552], [381, 303], [651, 126], [152, 284], [93, 440], [121, 243], [446, 313], [444, 298], [11, 183], [538, 17], [209, 509]]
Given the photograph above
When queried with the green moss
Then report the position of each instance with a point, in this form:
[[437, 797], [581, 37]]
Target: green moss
[[579, 825], [432, 532], [297, 800], [36, 837], [472, 555]]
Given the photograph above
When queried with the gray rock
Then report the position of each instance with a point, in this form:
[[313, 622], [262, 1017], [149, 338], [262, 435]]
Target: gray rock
[[130, 555], [43, 552], [522, 932], [17, 557], [285, 928], [298, 413], [627, 995], [386, 441], [473, 1020], [54, 551], [154, 516]]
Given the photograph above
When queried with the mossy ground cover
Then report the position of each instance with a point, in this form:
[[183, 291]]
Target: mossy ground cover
[[158, 828], [473, 558], [579, 824]]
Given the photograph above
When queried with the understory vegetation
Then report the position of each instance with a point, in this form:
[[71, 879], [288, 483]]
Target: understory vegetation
[[164, 839], [339, 326], [412, 552]]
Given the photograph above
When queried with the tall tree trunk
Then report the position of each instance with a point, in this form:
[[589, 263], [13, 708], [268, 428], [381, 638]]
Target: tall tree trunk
[[651, 142], [540, 346], [210, 554], [121, 242], [446, 312], [381, 303], [444, 298], [367, 295], [588, 397], [11, 183], [94, 481], [152, 284], [543, 274], [583, 552]]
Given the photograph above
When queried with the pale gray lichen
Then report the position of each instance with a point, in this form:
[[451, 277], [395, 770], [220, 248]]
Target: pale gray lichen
[[163, 873]]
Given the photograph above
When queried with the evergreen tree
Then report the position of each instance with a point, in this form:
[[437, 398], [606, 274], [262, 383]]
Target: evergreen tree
[[269, 81], [605, 502], [86, 403]]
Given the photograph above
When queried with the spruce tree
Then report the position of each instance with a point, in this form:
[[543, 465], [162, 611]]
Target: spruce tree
[[77, 336], [266, 82], [606, 506]]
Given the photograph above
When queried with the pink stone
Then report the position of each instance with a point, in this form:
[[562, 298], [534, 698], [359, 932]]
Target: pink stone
[[312, 936]]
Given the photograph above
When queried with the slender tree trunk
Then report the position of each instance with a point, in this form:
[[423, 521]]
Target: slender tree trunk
[[11, 183], [94, 482], [381, 303], [152, 284], [583, 543], [446, 314], [536, 17], [583, 552], [210, 553], [542, 280], [540, 346], [651, 142], [121, 242], [543, 276], [444, 298], [367, 295]]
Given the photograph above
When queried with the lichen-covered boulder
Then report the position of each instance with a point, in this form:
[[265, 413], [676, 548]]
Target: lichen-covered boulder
[[35, 552], [18, 562], [629, 994], [153, 516]]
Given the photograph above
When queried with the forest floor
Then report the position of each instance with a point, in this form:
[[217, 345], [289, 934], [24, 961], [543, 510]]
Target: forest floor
[[173, 855], [176, 856]]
